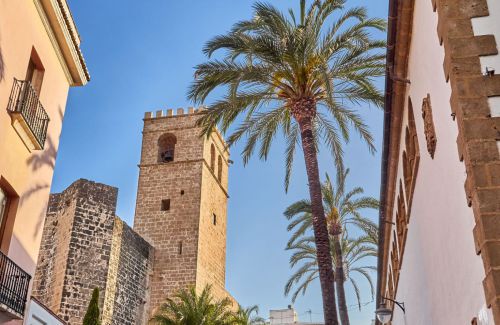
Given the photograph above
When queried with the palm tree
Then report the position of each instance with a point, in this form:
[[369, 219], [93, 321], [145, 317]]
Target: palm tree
[[296, 74], [304, 254], [248, 316], [342, 210], [188, 308]]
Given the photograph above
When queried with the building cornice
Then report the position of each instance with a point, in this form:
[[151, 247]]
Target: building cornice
[[59, 24]]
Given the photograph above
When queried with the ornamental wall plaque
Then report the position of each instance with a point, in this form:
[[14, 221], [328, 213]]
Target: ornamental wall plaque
[[430, 132]]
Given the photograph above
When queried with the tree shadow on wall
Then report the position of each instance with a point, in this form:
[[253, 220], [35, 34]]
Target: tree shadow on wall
[[36, 161], [2, 66]]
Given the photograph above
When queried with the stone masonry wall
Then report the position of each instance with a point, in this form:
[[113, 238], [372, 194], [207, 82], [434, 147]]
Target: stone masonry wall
[[132, 285], [85, 246], [51, 266], [189, 249], [211, 269], [89, 248], [478, 125], [173, 233]]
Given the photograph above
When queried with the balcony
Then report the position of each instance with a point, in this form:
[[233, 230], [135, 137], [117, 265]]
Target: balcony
[[29, 118], [14, 283]]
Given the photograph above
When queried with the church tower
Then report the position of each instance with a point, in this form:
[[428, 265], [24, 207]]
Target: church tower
[[181, 204]]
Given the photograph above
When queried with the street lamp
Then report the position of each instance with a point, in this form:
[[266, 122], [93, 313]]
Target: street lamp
[[384, 314]]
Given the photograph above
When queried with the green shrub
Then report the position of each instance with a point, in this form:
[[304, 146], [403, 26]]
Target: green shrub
[[92, 316]]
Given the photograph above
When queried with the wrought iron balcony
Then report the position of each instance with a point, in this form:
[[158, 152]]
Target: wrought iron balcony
[[14, 283], [27, 111]]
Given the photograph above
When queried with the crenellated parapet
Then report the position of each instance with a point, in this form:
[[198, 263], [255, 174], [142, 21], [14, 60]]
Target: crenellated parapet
[[174, 112]]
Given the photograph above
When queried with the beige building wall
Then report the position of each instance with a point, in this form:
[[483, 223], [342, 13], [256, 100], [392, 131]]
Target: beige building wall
[[28, 27], [211, 269]]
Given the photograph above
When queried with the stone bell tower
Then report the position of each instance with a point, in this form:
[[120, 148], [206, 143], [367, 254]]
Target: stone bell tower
[[181, 204]]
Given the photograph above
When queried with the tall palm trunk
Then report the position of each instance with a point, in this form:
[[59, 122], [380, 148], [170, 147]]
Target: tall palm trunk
[[339, 279], [322, 240]]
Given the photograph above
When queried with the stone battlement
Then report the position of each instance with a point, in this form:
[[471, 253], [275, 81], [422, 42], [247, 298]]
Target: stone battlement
[[173, 113]]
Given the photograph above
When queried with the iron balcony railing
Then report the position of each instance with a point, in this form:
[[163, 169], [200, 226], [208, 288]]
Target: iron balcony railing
[[24, 100], [14, 283]]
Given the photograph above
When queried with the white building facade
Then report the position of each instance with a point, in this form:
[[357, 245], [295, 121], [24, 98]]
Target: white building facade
[[440, 245]]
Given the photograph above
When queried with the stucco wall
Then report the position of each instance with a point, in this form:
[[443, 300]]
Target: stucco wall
[[441, 275], [29, 173]]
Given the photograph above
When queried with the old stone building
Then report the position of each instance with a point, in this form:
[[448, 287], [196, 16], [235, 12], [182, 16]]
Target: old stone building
[[85, 246], [179, 235], [181, 203]]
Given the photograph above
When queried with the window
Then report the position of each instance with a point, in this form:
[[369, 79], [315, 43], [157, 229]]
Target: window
[[212, 157], [411, 155], [166, 148], [179, 251], [214, 219], [219, 168], [4, 208], [8, 206], [35, 71], [165, 205]]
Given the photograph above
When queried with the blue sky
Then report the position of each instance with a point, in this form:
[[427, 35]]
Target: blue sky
[[141, 56]]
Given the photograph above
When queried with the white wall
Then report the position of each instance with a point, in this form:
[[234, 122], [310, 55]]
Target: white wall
[[38, 315], [441, 275], [282, 316]]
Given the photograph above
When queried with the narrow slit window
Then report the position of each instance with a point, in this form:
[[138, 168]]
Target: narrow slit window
[[219, 168], [165, 205], [180, 248], [212, 157], [214, 219]]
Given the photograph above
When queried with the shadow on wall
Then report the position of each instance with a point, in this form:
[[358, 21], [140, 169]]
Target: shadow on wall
[[36, 161], [2, 66]]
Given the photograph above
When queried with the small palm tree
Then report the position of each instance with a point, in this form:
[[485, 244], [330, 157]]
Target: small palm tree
[[188, 308], [304, 254], [248, 316], [296, 74], [342, 211]]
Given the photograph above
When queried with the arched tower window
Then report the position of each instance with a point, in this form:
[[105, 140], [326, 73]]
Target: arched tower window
[[166, 148], [212, 157], [219, 168]]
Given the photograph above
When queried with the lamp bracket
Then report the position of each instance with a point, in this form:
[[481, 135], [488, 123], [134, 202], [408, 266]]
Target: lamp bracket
[[399, 304]]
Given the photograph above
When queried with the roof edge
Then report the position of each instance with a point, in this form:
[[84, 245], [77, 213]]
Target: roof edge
[[391, 40], [61, 29]]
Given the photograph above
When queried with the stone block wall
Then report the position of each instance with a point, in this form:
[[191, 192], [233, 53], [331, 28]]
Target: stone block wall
[[211, 267], [473, 89], [75, 251], [127, 288], [85, 246], [189, 249]]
